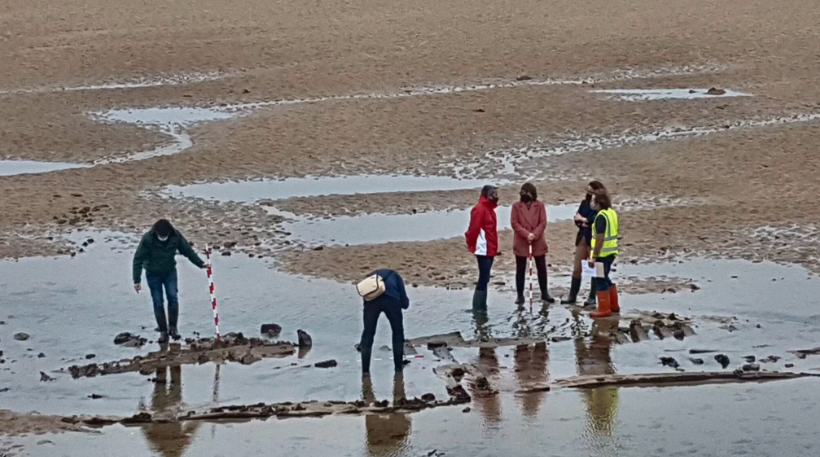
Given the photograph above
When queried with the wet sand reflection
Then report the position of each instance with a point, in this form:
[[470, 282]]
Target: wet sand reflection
[[169, 439], [386, 434], [595, 359]]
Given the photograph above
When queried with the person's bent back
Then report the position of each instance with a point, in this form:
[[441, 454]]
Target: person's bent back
[[391, 303]]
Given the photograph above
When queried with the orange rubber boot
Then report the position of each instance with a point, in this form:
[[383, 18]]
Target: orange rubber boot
[[603, 305], [614, 306]]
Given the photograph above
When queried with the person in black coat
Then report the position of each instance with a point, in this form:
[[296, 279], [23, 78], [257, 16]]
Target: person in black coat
[[583, 219], [391, 303]]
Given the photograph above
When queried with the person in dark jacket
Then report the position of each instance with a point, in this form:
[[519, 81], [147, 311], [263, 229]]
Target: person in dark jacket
[[391, 303], [583, 219], [482, 240], [156, 255]]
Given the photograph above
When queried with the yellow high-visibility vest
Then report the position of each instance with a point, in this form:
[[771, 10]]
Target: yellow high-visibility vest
[[610, 246]]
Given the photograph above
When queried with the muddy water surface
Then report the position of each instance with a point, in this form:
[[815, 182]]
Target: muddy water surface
[[78, 305]]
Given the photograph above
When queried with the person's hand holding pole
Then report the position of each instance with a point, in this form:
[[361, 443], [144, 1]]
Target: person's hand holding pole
[[530, 238], [137, 287]]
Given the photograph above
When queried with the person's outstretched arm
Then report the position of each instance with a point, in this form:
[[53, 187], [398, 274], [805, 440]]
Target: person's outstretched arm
[[186, 250], [474, 229], [139, 259], [542, 222], [405, 301]]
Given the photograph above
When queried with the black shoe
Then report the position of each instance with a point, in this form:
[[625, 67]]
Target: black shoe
[[519, 300], [574, 287], [163, 338], [173, 333], [547, 299]]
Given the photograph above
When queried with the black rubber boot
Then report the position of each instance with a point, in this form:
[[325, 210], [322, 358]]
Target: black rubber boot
[[591, 301], [480, 300], [163, 338], [162, 324], [574, 287], [520, 300], [173, 317], [546, 297]]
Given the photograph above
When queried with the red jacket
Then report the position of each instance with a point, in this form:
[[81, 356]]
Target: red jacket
[[525, 221], [482, 235]]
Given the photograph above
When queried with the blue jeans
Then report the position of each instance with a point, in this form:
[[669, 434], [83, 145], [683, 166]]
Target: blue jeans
[[485, 265], [155, 285], [602, 284], [372, 310]]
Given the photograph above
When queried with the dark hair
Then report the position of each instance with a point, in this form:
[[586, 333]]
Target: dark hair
[[163, 228], [597, 185], [602, 199], [487, 190], [530, 189]]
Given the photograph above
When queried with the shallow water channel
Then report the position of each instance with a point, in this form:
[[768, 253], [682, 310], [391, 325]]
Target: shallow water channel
[[75, 306]]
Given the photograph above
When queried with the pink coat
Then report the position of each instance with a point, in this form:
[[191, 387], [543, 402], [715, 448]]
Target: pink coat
[[525, 221]]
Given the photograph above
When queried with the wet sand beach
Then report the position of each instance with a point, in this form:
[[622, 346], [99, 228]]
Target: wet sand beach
[[311, 143]]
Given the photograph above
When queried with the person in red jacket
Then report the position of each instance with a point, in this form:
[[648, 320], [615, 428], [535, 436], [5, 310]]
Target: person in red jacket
[[482, 240], [528, 219]]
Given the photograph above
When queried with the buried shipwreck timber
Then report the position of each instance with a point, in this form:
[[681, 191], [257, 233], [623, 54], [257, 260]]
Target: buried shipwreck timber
[[230, 349], [676, 379], [280, 410]]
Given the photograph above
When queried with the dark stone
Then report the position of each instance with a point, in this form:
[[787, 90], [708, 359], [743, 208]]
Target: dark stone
[[715, 91], [90, 356], [770, 359], [701, 351], [750, 358], [428, 397], [694, 287], [466, 410], [319, 248], [246, 91], [39, 356], [4, 389], [21, 336], [96, 396], [122, 338], [271, 330], [44, 377], [226, 253], [679, 335], [523, 78], [304, 339], [326, 364], [669, 362], [479, 110], [436, 344], [722, 360], [696, 361], [751, 367], [789, 365]]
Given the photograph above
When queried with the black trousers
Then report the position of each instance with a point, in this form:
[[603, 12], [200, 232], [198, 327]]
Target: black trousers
[[485, 266], [521, 273], [372, 310]]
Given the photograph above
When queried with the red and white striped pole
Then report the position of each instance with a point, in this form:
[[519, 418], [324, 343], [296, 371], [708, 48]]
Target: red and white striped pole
[[211, 289], [529, 261]]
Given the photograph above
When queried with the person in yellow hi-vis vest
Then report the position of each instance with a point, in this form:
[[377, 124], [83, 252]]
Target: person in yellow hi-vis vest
[[603, 253]]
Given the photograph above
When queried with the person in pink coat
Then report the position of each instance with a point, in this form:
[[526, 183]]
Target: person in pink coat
[[529, 223]]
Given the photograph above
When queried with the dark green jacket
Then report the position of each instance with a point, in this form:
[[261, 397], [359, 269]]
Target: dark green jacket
[[157, 257]]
